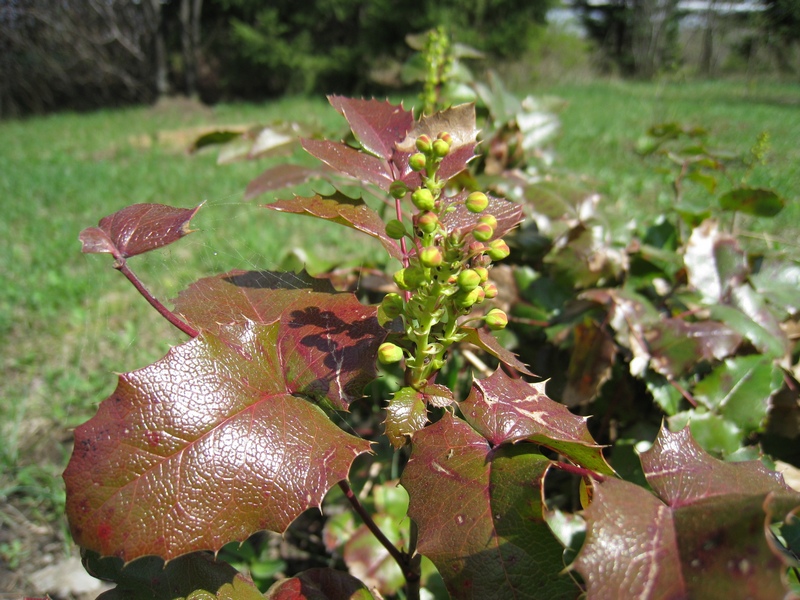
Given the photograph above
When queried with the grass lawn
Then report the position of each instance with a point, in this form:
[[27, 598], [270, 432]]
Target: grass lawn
[[68, 321]]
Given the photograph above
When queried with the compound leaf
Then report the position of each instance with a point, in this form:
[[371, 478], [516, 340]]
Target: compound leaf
[[506, 410], [341, 209], [701, 534], [479, 515], [206, 446], [137, 229]]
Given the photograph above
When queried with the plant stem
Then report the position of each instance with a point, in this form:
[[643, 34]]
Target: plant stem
[[409, 562], [170, 316], [575, 470]]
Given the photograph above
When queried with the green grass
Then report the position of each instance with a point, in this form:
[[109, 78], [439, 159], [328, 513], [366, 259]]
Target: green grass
[[68, 321], [603, 120]]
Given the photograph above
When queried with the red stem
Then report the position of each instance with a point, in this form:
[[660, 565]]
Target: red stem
[[689, 398], [122, 267], [575, 470]]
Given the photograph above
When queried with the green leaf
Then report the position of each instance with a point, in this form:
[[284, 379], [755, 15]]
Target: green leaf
[[713, 432], [405, 414], [479, 515], [220, 136], [752, 201], [765, 341], [208, 445], [484, 340], [197, 576], [506, 410], [740, 389]]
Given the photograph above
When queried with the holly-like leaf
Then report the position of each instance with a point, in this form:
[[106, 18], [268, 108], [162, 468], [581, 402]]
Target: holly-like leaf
[[189, 576], [479, 515], [406, 413], [319, 584], [278, 177], [677, 346], [506, 410], [137, 229], [740, 389], [378, 126], [701, 535], [484, 340], [350, 161], [590, 363], [329, 340], [752, 201], [341, 209], [715, 264], [206, 446], [455, 214]]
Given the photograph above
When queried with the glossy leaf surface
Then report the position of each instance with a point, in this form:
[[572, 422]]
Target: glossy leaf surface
[[378, 126], [328, 341], [508, 214], [341, 209], [715, 264], [406, 413], [700, 535], [278, 177], [484, 340], [479, 515], [506, 410], [137, 229], [197, 575], [319, 584], [208, 445]]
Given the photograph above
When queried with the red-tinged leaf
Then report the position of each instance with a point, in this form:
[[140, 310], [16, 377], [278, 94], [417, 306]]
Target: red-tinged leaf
[[341, 209], [191, 575], [206, 446], [506, 410], [350, 161], [676, 346], [508, 214], [328, 341], [630, 547], [715, 264], [406, 413], [483, 339], [590, 363], [438, 395], [682, 473], [753, 201], [275, 178], [479, 515], [458, 121], [319, 584], [137, 229], [702, 535], [378, 126]]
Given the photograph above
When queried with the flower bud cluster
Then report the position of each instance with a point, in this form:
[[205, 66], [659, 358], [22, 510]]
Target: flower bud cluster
[[446, 273]]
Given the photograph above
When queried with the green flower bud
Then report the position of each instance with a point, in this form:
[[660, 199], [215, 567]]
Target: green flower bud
[[490, 290], [441, 148], [465, 300], [498, 250], [446, 137], [417, 162], [468, 280], [389, 353], [430, 257], [483, 232], [398, 189], [392, 305], [424, 143], [496, 319], [483, 272], [490, 220], [427, 222], [409, 278], [477, 202], [395, 229], [423, 199]]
